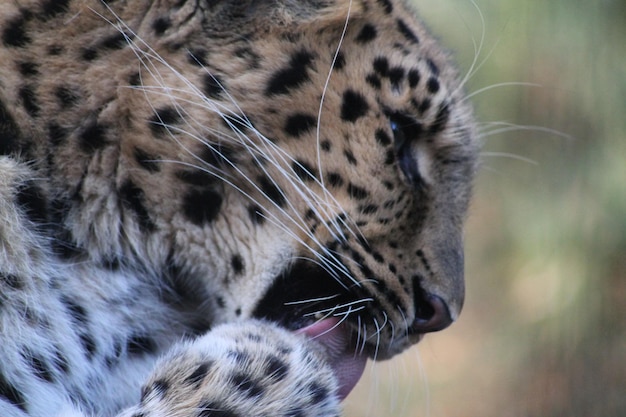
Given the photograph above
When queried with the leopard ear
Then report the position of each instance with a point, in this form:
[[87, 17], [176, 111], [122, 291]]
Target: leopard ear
[[266, 14]]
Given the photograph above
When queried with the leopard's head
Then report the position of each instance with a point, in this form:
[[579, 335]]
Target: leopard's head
[[341, 149], [292, 161]]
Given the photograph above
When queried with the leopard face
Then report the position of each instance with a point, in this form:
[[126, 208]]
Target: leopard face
[[280, 160]]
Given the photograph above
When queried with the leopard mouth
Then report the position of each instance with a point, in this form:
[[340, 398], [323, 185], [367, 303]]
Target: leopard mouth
[[306, 293], [302, 295], [308, 300]]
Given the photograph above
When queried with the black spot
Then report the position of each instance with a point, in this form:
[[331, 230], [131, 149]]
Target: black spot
[[52, 8], [396, 75], [29, 100], [353, 106], [76, 311], [433, 67], [387, 5], [199, 374], [246, 385], [32, 200], [140, 345], [202, 206], [93, 137], [28, 68], [217, 154], [236, 123], [356, 192], [60, 362], [198, 57], [197, 177], [374, 81], [369, 209], [10, 393], [213, 86], [304, 171], [66, 96], [318, 392], [209, 409], [133, 199], [163, 119], [381, 66], [335, 180], [299, 123], [158, 388], [382, 137], [89, 54], [271, 191], [414, 78], [433, 85], [148, 162], [11, 280], [350, 157], [117, 41], [134, 80], [89, 345], [161, 24], [256, 214], [9, 132], [378, 257], [39, 366], [220, 302], [407, 32], [14, 33], [292, 76], [112, 263], [367, 34], [56, 135], [55, 50], [236, 262], [276, 368], [340, 61]]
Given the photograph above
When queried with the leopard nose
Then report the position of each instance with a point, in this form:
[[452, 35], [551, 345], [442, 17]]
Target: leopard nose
[[432, 314]]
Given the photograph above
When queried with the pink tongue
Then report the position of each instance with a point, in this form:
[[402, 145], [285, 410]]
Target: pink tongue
[[347, 364]]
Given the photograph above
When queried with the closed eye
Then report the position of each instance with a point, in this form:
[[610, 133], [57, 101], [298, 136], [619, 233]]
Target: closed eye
[[406, 131]]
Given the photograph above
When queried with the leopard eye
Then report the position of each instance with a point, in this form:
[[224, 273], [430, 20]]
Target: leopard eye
[[406, 131]]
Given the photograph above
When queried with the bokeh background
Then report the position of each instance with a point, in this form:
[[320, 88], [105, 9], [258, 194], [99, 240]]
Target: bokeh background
[[543, 332]]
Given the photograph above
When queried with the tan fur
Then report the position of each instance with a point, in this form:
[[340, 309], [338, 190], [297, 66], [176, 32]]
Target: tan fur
[[169, 156]]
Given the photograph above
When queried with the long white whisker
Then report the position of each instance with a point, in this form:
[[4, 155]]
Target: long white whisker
[[499, 85]]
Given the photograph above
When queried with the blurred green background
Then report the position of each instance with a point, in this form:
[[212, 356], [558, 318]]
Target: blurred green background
[[543, 332]]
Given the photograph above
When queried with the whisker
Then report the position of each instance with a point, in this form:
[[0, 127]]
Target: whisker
[[499, 85]]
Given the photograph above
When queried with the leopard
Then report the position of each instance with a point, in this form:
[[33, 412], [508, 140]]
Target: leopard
[[223, 207]]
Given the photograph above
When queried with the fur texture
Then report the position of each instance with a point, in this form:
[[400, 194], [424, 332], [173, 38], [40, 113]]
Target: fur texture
[[169, 166]]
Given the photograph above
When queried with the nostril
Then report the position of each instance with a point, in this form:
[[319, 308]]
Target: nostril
[[432, 314]]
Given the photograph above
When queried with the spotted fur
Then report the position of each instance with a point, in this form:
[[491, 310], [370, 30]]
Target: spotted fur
[[169, 166]]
